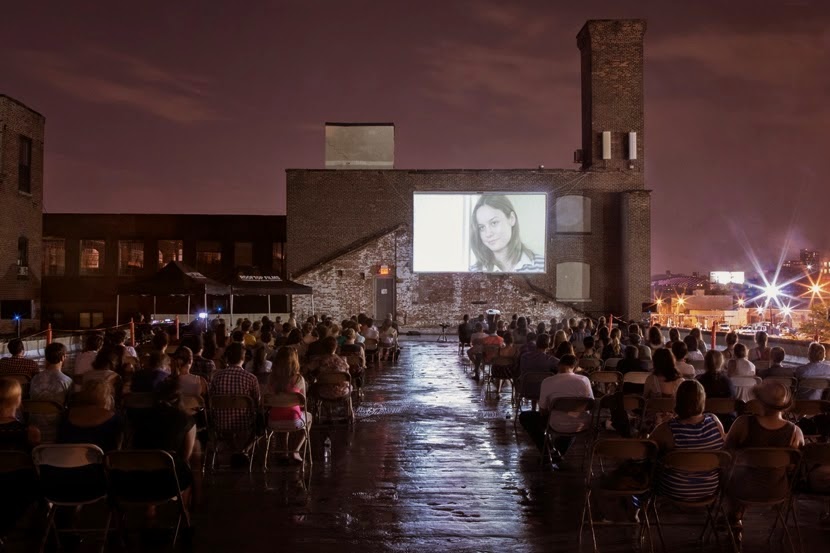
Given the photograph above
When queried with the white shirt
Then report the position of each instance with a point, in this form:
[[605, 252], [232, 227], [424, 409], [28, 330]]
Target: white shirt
[[694, 355], [686, 370], [566, 385], [741, 367]]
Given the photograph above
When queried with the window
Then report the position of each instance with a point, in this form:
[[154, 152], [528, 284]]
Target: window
[[169, 250], [24, 165], [90, 320], [22, 252], [278, 257], [208, 257], [92, 257], [573, 281], [15, 309], [130, 257], [573, 214], [243, 254], [54, 256]]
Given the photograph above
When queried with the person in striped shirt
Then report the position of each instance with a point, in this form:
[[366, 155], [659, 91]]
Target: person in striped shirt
[[691, 429]]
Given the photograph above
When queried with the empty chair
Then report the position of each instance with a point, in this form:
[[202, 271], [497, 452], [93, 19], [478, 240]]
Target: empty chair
[[611, 363], [70, 476], [619, 469], [606, 382], [147, 478], [590, 365]]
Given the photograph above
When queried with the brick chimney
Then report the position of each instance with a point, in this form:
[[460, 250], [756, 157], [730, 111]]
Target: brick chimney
[[612, 94]]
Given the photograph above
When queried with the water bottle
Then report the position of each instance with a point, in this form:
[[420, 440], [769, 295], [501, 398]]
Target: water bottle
[[327, 449]]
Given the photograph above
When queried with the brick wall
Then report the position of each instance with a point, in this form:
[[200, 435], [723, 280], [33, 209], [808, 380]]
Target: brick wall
[[21, 211], [636, 228], [345, 286]]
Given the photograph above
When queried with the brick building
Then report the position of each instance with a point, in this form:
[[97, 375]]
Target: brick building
[[21, 190], [86, 257], [349, 226]]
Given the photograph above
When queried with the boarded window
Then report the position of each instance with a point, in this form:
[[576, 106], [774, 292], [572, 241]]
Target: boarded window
[[130, 257], [573, 281], [573, 214], [54, 256]]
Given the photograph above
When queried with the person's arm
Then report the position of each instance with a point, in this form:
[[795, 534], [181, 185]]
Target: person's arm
[[189, 444], [663, 437], [648, 387], [798, 439], [33, 435], [737, 434]]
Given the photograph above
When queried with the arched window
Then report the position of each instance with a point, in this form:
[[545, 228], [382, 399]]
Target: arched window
[[22, 252], [573, 281], [573, 214]]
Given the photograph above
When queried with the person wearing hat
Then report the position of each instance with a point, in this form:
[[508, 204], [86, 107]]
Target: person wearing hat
[[766, 430]]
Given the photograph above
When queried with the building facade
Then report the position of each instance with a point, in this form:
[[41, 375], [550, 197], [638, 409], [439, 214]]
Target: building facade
[[21, 189], [86, 257], [350, 231]]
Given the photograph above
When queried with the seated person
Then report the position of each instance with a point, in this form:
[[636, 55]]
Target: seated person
[[776, 367], [92, 418], [564, 384], [329, 362], [691, 345], [181, 363], [588, 351], [632, 363], [234, 380], [285, 377], [149, 378], [14, 435], [84, 360], [816, 368], [665, 378], [477, 347], [680, 350], [50, 385], [18, 363], [691, 429], [761, 352], [739, 365]]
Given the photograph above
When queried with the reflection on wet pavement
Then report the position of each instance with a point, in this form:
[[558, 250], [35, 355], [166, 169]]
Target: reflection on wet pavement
[[430, 465]]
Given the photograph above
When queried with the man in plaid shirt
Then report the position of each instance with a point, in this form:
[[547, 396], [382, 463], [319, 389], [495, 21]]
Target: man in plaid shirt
[[17, 364], [234, 380]]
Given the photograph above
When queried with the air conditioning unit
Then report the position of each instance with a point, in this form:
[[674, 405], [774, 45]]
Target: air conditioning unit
[[22, 271]]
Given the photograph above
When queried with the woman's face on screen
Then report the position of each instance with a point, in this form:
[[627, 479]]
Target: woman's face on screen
[[494, 227]]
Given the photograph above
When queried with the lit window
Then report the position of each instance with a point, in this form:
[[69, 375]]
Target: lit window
[[54, 256], [169, 250], [573, 281], [130, 257], [92, 257], [573, 214]]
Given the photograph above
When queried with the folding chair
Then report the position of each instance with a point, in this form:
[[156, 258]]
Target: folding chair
[[570, 406], [723, 405], [17, 480], [752, 407], [813, 456], [787, 381], [488, 355], [611, 363], [806, 409], [529, 387], [699, 365], [357, 369], [590, 365], [814, 384], [761, 365], [606, 382], [743, 386], [287, 400], [131, 406], [692, 464], [636, 377], [767, 460], [656, 407], [502, 370], [324, 400], [237, 406], [372, 349], [45, 415], [71, 475], [634, 460], [144, 478]]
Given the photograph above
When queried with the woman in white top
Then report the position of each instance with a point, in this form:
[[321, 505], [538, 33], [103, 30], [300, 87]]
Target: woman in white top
[[739, 365], [84, 360], [189, 384]]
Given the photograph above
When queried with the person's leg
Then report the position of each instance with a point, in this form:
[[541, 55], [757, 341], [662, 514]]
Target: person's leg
[[533, 424], [562, 443]]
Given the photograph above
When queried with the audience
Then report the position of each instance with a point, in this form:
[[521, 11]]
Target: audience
[[14, 435], [776, 368], [731, 340], [739, 365], [693, 354], [84, 360], [679, 350], [760, 352], [816, 368], [665, 379]]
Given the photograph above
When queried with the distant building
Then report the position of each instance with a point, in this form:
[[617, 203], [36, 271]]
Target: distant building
[[670, 284], [21, 190], [88, 255]]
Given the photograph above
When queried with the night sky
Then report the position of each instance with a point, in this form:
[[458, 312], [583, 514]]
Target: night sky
[[200, 106]]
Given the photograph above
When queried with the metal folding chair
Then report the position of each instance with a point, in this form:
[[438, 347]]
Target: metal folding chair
[[570, 406], [287, 400], [218, 436], [71, 475], [129, 474], [606, 382], [333, 379], [627, 455]]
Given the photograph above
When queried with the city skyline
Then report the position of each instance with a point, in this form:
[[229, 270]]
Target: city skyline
[[166, 109]]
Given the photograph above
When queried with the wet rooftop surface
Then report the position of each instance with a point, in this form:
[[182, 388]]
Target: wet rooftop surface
[[431, 464]]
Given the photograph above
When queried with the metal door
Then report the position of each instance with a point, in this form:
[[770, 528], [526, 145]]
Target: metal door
[[384, 297]]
